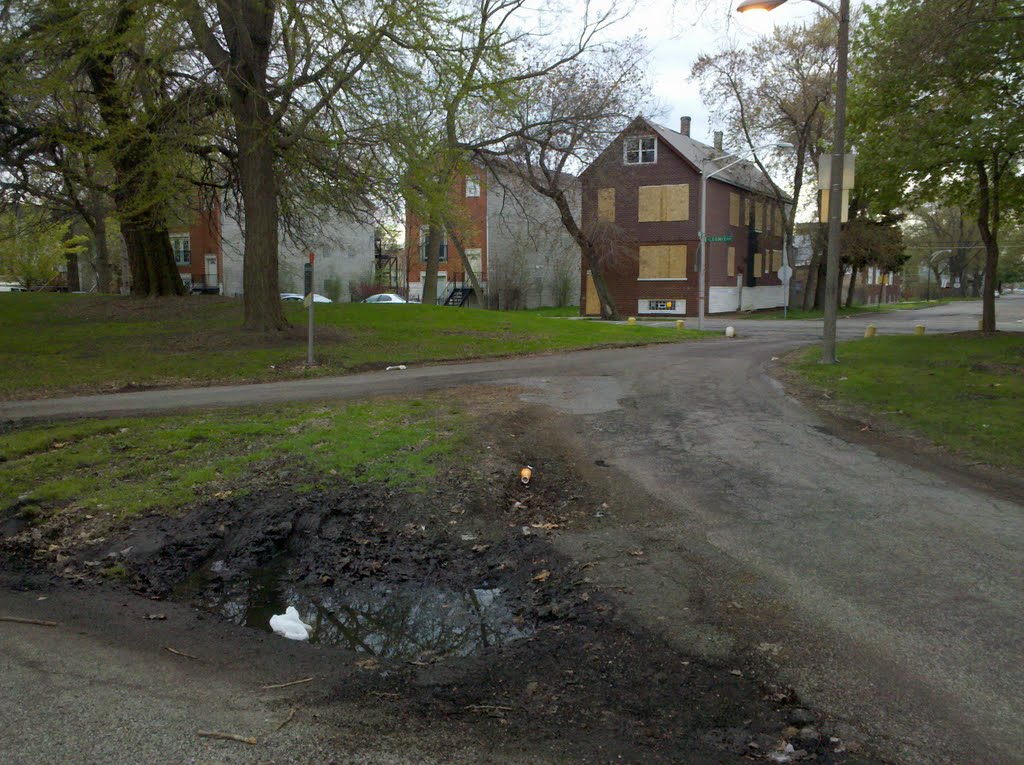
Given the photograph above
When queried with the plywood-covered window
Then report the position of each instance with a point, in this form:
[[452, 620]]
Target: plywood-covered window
[[777, 217], [663, 203], [730, 262], [662, 261], [758, 262], [759, 216], [606, 205], [777, 260], [734, 209]]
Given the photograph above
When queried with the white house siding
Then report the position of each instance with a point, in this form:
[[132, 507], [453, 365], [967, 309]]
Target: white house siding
[[723, 299], [756, 298], [344, 252], [531, 259]]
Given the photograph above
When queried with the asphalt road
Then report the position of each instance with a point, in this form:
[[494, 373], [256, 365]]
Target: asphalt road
[[889, 594]]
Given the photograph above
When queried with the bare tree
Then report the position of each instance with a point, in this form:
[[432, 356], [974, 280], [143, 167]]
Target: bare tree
[[780, 89], [564, 123]]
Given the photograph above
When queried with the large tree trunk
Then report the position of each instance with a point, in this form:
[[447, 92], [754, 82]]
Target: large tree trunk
[[101, 261], [151, 260], [434, 242], [258, 181], [988, 226]]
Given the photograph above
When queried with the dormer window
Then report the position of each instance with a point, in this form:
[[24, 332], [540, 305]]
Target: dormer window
[[640, 150]]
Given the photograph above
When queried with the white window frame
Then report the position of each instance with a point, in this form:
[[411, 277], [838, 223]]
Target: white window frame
[[182, 255], [472, 186], [635, 144]]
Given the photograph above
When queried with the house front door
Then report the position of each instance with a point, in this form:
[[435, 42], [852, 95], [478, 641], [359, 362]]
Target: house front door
[[592, 305], [211, 271]]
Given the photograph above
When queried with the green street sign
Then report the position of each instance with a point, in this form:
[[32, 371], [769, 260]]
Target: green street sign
[[722, 238]]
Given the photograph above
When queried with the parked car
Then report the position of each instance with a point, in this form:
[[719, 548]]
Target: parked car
[[385, 297], [295, 296]]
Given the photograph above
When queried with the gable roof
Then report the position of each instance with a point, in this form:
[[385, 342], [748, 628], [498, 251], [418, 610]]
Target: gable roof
[[744, 174]]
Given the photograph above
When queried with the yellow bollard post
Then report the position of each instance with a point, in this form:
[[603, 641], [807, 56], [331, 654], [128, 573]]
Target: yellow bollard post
[[632, 320], [870, 330], [919, 329], [681, 324]]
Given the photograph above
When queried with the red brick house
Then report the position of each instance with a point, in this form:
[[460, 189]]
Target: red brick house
[[198, 250], [647, 183], [513, 237], [469, 195]]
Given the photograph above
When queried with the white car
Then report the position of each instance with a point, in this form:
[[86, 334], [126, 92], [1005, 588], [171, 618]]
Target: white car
[[385, 297], [295, 296]]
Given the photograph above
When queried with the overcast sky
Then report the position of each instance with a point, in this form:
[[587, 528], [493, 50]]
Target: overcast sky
[[676, 34]]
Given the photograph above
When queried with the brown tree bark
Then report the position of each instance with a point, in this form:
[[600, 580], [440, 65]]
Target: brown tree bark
[[988, 227], [436, 238], [258, 181]]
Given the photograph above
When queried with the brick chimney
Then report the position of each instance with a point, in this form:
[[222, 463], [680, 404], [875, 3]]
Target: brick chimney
[[684, 126], [718, 140]]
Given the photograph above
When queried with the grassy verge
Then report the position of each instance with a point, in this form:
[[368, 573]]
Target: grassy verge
[[963, 392], [60, 344], [121, 467], [800, 314]]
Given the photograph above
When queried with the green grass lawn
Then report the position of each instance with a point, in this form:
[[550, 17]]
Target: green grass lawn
[[53, 344], [800, 314], [118, 468], [965, 392]]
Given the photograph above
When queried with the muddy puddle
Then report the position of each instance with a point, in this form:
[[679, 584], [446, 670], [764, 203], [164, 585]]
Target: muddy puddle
[[409, 622]]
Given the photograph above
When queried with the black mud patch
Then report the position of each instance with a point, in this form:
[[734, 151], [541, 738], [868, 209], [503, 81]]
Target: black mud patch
[[451, 604]]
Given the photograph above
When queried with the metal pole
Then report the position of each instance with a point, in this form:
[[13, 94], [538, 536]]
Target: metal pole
[[702, 234], [835, 200]]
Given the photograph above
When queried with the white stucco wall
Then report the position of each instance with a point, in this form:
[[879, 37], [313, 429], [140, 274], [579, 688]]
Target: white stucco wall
[[528, 248], [727, 299], [344, 251]]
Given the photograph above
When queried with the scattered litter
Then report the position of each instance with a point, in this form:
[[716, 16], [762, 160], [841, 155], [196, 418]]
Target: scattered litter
[[155, 617], [773, 648], [288, 719], [397, 366], [518, 505], [290, 625], [20, 620], [786, 755], [222, 494], [42, 597], [526, 474], [546, 526], [480, 548], [526, 531], [468, 537], [775, 358], [228, 737], [636, 553], [180, 653], [542, 576], [287, 685], [736, 672], [371, 663]]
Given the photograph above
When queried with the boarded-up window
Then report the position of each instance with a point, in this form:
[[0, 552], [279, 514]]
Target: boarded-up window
[[758, 262], [759, 216], [663, 203], [606, 205], [592, 306], [730, 262], [734, 209], [662, 261], [777, 262], [777, 218]]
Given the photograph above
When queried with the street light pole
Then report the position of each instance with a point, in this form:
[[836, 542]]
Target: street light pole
[[702, 235], [835, 199]]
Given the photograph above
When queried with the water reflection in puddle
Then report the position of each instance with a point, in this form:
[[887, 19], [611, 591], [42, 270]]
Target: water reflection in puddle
[[408, 623]]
